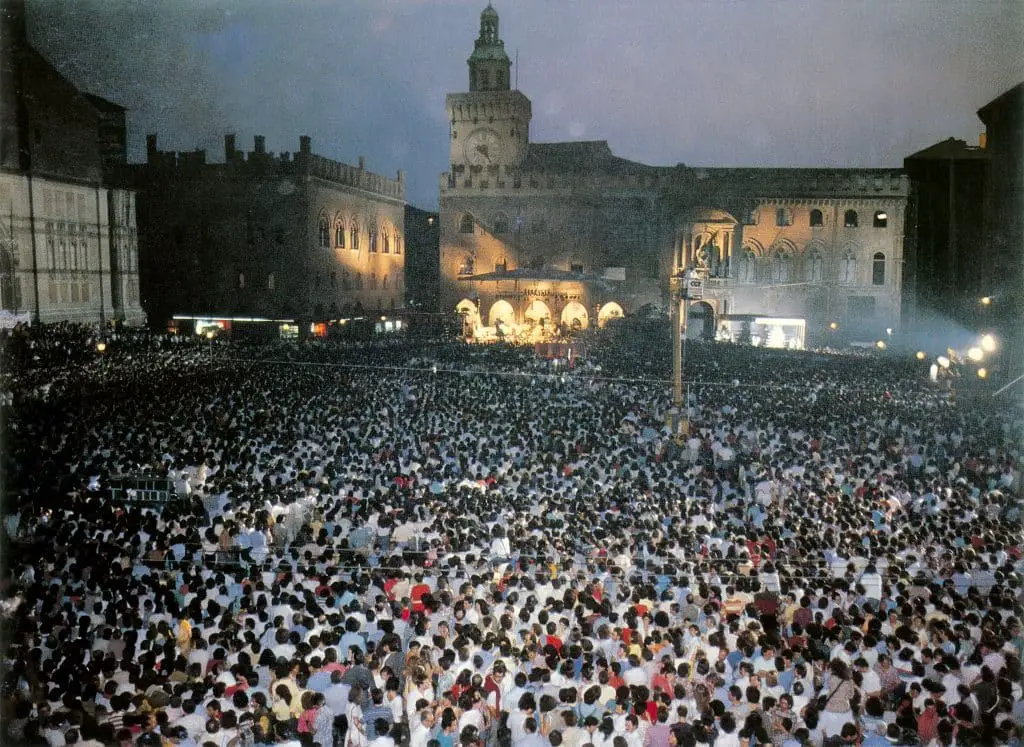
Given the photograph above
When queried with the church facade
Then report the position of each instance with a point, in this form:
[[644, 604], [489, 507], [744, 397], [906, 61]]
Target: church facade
[[538, 238]]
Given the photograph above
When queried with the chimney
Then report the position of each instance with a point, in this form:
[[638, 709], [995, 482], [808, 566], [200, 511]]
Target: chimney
[[150, 148], [362, 163], [260, 144], [305, 144], [229, 148]]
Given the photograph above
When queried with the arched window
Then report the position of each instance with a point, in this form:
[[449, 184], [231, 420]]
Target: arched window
[[466, 224], [878, 269], [387, 241], [783, 217], [373, 240], [780, 268], [850, 219], [815, 266], [325, 233], [359, 281], [339, 235], [353, 234], [848, 268], [881, 219], [746, 268], [501, 225], [817, 219], [373, 281], [398, 243], [384, 282]]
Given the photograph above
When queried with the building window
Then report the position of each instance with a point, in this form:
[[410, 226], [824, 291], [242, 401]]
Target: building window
[[466, 224], [241, 280], [346, 281], [815, 267], [746, 268], [881, 219], [339, 236], [817, 219], [359, 281], [270, 281], [373, 281], [780, 268], [501, 225], [783, 217], [750, 217], [398, 243], [466, 268], [850, 219], [848, 269], [576, 267], [325, 233], [878, 269], [373, 241], [353, 234], [387, 242]]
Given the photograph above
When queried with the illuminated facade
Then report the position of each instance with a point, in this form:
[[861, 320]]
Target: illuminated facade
[[68, 247], [549, 236], [283, 236]]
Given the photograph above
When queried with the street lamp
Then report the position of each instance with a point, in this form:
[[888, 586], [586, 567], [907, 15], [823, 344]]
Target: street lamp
[[986, 301], [975, 354], [921, 355], [833, 326], [988, 343], [880, 344], [982, 373]]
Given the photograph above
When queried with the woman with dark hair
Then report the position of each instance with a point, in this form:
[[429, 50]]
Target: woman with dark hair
[[839, 699]]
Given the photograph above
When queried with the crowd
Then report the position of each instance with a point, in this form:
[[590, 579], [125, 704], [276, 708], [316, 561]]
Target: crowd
[[378, 544]]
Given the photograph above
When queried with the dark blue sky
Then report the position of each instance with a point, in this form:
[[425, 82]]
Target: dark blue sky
[[703, 82]]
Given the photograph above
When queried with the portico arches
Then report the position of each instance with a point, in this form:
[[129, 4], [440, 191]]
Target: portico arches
[[610, 310], [501, 311], [700, 321], [574, 315]]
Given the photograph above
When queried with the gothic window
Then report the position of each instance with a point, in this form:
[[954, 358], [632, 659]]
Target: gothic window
[[373, 281], [353, 234], [339, 235], [783, 217], [387, 241], [384, 282], [881, 219], [747, 267], [373, 240], [848, 269], [878, 269], [815, 267], [850, 219], [466, 223], [780, 268], [817, 219], [398, 243], [325, 233], [501, 225]]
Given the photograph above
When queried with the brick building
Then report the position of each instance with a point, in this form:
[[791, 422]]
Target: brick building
[[540, 236], [278, 236], [68, 247]]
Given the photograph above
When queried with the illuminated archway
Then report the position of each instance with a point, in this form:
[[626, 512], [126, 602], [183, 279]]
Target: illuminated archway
[[501, 311], [610, 310], [470, 313], [537, 311], [575, 316]]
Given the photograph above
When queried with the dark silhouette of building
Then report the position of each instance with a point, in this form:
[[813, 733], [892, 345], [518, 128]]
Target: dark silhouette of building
[[422, 259]]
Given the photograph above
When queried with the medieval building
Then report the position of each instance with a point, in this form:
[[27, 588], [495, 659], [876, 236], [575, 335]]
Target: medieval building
[[543, 236]]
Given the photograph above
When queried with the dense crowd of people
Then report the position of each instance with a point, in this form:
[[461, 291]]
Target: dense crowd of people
[[400, 543]]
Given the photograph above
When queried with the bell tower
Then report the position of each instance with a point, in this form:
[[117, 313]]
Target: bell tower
[[489, 66], [490, 125]]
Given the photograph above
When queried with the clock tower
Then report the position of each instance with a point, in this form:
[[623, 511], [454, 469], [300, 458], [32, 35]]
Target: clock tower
[[489, 125]]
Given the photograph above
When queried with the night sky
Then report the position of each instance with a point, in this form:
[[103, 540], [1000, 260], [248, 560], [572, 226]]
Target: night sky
[[712, 83]]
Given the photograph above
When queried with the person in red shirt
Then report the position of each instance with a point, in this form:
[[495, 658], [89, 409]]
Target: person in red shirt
[[417, 592]]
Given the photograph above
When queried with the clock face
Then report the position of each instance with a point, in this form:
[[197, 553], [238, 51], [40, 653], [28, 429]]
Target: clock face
[[483, 148]]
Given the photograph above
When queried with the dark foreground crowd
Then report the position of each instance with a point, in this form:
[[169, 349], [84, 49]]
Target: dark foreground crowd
[[373, 544]]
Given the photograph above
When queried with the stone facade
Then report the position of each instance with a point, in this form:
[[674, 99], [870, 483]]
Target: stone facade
[[265, 235], [535, 231], [68, 243]]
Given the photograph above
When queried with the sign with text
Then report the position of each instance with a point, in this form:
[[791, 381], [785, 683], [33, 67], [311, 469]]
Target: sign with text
[[695, 289]]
